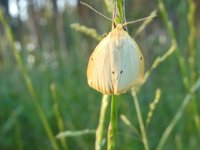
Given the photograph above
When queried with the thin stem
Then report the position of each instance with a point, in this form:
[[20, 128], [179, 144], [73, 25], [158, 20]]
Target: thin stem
[[58, 116], [192, 51], [112, 129], [76, 133], [130, 125], [141, 124], [119, 11], [146, 22], [182, 62], [101, 127], [118, 17], [178, 115], [153, 107], [86, 30], [191, 39], [172, 34], [29, 83]]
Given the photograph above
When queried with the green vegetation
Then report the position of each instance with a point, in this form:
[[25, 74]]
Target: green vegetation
[[45, 102]]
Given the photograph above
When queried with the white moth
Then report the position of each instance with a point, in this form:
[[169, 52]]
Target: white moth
[[116, 64]]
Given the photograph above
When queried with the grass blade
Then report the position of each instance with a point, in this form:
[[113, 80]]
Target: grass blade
[[141, 123], [58, 116], [178, 115], [75, 133], [29, 84], [112, 129], [100, 140]]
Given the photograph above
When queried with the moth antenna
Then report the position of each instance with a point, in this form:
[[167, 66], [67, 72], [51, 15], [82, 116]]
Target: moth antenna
[[139, 20], [87, 5]]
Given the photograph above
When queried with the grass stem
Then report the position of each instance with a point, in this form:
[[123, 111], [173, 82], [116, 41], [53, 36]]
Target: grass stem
[[141, 123], [28, 83], [112, 129], [191, 39], [178, 115], [101, 127], [59, 119], [172, 34]]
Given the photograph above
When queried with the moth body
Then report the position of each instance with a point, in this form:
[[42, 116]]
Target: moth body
[[116, 64]]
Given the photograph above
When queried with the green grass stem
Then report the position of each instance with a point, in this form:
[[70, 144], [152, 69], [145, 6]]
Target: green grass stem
[[112, 129], [182, 62], [130, 125], [58, 116], [172, 34], [118, 17], [139, 117], [191, 39], [75, 133], [119, 11], [158, 61], [29, 84], [178, 115], [146, 23], [100, 140], [87, 31], [192, 60], [153, 107]]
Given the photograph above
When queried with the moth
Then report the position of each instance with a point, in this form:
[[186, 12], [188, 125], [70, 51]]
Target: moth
[[116, 64]]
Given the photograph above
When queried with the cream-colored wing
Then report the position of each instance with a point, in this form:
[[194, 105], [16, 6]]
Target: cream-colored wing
[[98, 70], [127, 64]]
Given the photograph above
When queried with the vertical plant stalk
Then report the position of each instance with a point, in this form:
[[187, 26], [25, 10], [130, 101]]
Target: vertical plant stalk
[[119, 18], [178, 115], [112, 129], [58, 116], [101, 127], [141, 123], [119, 11], [191, 39], [172, 34], [29, 84], [192, 59], [193, 106]]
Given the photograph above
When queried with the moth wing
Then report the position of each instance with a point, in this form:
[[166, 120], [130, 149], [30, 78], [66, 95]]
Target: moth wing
[[130, 66], [98, 70]]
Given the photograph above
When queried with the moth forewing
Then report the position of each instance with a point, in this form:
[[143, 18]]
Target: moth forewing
[[128, 65], [141, 60], [98, 70]]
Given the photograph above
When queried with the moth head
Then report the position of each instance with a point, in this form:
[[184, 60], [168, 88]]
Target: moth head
[[119, 26]]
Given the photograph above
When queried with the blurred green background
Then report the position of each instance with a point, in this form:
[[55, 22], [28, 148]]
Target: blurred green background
[[55, 56]]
